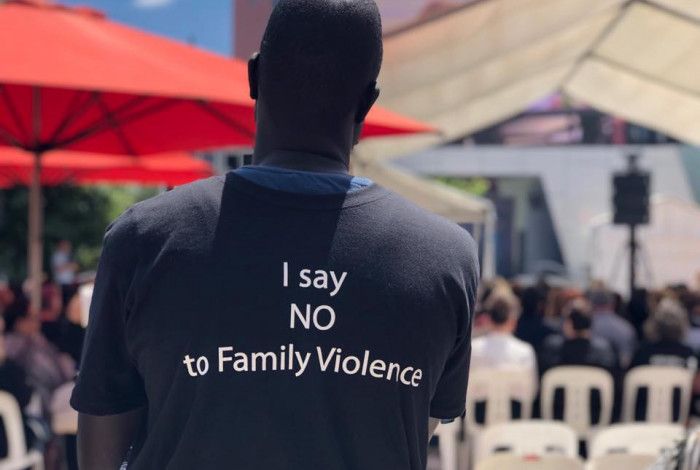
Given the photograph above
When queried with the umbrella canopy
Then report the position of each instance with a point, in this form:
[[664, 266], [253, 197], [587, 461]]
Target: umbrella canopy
[[80, 82], [169, 169]]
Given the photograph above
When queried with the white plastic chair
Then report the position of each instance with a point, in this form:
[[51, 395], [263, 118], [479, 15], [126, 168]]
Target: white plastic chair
[[85, 296], [660, 382], [577, 383], [637, 439], [18, 458], [621, 462], [64, 419], [541, 438], [497, 388], [448, 444], [691, 453], [516, 462]]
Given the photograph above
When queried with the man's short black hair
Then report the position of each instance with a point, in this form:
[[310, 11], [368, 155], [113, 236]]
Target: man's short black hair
[[317, 57], [580, 320]]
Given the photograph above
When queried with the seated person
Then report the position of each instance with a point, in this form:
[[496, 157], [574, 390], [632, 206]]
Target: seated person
[[13, 380], [499, 349], [46, 367], [577, 347], [608, 324], [665, 332], [532, 327]]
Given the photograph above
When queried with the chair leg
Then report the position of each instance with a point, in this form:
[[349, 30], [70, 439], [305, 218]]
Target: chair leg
[[448, 446]]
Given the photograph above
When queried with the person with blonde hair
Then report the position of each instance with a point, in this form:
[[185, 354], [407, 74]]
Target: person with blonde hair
[[665, 332]]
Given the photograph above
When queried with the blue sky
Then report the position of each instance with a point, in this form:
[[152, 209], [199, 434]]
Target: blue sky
[[206, 23]]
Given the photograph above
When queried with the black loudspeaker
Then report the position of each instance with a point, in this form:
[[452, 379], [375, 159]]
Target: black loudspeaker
[[631, 198]]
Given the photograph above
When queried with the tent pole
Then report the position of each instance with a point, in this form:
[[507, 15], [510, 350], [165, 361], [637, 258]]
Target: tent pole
[[35, 253]]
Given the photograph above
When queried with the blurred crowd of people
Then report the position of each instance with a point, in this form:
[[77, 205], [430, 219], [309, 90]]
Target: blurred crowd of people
[[539, 327], [40, 351]]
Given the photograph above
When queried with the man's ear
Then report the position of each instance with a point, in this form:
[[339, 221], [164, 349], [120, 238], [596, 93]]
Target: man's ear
[[253, 75], [369, 97]]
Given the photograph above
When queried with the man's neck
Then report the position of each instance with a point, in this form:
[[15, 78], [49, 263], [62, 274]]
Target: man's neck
[[302, 161]]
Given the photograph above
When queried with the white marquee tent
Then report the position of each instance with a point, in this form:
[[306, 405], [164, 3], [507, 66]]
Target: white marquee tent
[[490, 59]]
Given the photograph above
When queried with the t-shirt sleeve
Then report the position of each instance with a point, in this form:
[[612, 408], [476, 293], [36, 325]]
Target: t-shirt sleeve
[[108, 381], [450, 395]]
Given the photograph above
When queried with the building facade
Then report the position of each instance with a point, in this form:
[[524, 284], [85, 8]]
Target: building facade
[[249, 20]]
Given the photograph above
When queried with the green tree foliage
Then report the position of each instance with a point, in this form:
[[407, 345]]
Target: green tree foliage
[[475, 186], [78, 214]]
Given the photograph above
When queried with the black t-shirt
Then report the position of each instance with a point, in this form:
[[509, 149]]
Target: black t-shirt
[[665, 353], [273, 330], [595, 352]]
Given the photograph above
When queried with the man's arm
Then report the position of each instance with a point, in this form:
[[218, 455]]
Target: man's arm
[[103, 441]]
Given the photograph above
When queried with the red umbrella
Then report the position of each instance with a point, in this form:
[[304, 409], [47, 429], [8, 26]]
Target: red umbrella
[[169, 169], [73, 80]]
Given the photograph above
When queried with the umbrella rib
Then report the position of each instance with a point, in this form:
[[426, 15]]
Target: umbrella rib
[[100, 126], [9, 138], [223, 118], [116, 128], [13, 112], [75, 110]]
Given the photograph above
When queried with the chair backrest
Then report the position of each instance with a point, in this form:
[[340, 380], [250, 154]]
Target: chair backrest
[[14, 428], [621, 462], [638, 439], [577, 382], [448, 444], [516, 462], [660, 382], [497, 388], [85, 296], [523, 438], [691, 453], [64, 419]]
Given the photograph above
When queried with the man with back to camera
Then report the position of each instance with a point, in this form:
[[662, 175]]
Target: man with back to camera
[[287, 315]]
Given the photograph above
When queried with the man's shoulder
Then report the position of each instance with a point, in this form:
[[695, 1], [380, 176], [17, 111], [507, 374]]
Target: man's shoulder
[[185, 198], [624, 327], [478, 343], [421, 225], [553, 341], [599, 343], [181, 212], [521, 346], [176, 207]]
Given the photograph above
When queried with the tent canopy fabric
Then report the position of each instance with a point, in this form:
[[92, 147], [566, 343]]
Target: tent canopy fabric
[[170, 169], [490, 59], [435, 197]]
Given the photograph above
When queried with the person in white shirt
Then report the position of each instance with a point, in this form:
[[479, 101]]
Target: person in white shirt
[[499, 349], [62, 264]]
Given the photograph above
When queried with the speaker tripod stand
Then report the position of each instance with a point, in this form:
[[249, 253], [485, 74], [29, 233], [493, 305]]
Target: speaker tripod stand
[[635, 251]]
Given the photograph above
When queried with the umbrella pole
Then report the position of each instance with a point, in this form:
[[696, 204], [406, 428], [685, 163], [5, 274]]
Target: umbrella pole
[[35, 247]]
